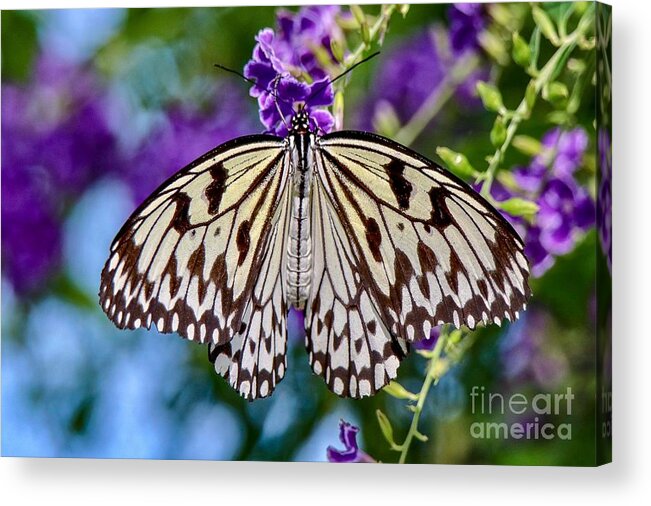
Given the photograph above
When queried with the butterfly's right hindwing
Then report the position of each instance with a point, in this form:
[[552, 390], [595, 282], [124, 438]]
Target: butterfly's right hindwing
[[188, 258]]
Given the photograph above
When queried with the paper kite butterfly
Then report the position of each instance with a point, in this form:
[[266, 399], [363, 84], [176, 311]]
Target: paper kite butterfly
[[376, 243]]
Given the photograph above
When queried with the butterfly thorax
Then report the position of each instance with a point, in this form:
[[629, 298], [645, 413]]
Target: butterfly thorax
[[299, 246]]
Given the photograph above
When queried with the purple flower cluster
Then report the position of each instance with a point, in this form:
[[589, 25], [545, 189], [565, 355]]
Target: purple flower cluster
[[566, 210], [527, 354], [351, 451], [282, 62], [428, 343], [185, 134], [417, 57], [467, 21], [604, 196], [56, 140], [427, 59]]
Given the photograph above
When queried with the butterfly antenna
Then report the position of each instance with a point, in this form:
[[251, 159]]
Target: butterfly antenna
[[273, 92], [345, 72], [251, 81], [275, 95]]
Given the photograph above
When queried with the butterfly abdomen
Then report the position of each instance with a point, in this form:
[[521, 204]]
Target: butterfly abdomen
[[299, 246]]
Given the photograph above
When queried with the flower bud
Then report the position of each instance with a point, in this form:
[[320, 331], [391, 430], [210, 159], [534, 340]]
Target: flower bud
[[456, 162], [490, 97], [521, 51]]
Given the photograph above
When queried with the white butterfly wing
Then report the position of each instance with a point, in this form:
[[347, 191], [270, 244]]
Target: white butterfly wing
[[424, 247], [347, 340], [188, 258], [254, 361]]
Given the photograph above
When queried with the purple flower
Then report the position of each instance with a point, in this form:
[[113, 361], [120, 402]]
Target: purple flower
[[351, 451], [427, 63], [563, 150], [296, 325], [539, 258], [298, 33], [604, 197], [417, 57], [467, 21], [31, 235], [428, 343], [56, 141], [187, 134], [279, 57], [528, 355], [566, 210]]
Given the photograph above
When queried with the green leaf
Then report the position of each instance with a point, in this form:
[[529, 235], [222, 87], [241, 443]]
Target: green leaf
[[66, 289], [527, 145], [387, 429], [498, 132], [519, 207], [521, 51], [534, 44], [19, 45], [546, 25], [490, 97], [396, 390], [456, 162]]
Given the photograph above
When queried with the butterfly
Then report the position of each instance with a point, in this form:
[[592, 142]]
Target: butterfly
[[376, 243]]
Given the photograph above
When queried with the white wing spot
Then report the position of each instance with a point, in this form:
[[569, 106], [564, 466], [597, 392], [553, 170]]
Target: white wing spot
[[338, 386], [264, 388]]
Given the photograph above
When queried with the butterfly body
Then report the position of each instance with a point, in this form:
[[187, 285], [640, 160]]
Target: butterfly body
[[376, 243], [299, 251]]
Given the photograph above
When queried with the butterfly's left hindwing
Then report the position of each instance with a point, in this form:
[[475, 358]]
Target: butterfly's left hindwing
[[188, 258], [431, 250]]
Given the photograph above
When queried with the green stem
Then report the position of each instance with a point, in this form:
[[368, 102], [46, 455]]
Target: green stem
[[422, 395], [546, 75], [437, 99], [380, 23]]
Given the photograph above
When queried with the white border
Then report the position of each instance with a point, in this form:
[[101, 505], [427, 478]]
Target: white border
[[627, 481]]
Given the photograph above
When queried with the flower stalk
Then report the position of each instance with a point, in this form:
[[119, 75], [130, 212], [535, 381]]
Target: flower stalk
[[543, 78], [461, 70], [431, 377]]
